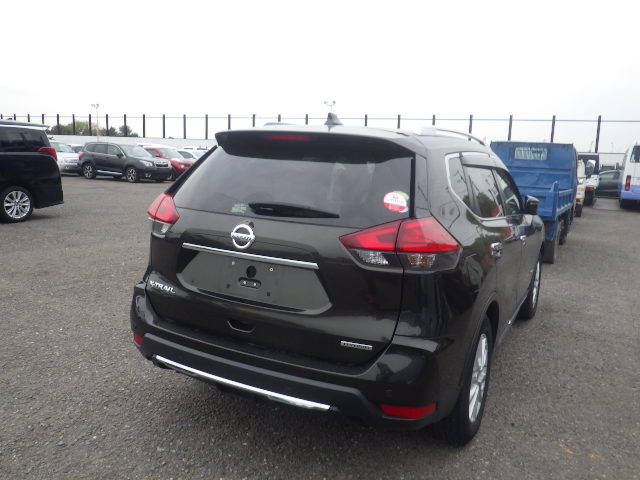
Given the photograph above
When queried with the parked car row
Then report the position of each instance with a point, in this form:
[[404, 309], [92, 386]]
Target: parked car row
[[131, 162]]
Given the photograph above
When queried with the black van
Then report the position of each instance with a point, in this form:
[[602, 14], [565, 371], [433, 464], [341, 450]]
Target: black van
[[29, 173], [355, 270]]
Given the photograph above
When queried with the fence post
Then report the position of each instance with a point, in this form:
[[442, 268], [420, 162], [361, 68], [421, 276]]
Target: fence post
[[15, 117], [57, 121], [206, 126], [163, 127], [553, 127], [229, 121], [106, 124], [366, 119], [43, 118], [279, 118], [126, 134], [433, 119], [470, 124], [184, 126], [510, 126], [73, 122], [28, 117], [90, 129], [253, 119], [398, 121], [306, 119], [144, 126], [598, 132], [1, 117]]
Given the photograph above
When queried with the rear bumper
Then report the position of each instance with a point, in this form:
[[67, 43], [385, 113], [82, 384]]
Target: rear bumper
[[406, 374]]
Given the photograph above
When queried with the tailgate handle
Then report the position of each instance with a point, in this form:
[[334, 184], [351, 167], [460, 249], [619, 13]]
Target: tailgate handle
[[240, 326]]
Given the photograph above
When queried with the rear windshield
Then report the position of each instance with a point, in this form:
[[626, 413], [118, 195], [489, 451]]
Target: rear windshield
[[325, 181]]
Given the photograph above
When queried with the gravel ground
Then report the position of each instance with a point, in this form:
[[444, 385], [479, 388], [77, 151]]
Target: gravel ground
[[78, 401]]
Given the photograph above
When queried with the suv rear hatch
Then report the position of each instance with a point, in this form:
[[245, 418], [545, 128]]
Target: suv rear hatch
[[285, 281]]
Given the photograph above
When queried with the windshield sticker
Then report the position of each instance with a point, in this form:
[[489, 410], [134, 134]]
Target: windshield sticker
[[397, 202], [239, 208]]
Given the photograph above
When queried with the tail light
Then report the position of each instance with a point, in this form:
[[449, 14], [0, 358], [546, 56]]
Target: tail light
[[163, 214], [627, 183], [80, 153], [137, 339], [49, 151], [416, 244]]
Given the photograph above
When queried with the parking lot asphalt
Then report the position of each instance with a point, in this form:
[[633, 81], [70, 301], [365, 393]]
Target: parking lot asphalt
[[78, 401]]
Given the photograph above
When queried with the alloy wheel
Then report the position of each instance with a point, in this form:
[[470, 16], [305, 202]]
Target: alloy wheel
[[17, 204], [478, 377]]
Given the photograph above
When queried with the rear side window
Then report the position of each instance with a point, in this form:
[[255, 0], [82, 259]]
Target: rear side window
[[635, 154], [113, 150], [458, 181], [100, 148], [21, 140], [332, 180], [485, 191]]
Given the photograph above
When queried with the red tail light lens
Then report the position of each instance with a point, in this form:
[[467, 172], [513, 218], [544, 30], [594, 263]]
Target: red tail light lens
[[50, 151], [163, 209], [425, 235], [137, 339], [627, 183], [381, 237], [417, 244], [287, 137], [408, 412]]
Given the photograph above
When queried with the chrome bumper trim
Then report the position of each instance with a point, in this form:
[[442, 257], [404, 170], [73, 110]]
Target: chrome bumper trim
[[279, 397], [252, 256]]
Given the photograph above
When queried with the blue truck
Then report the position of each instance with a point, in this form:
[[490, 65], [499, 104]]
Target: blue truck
[[546, 171]]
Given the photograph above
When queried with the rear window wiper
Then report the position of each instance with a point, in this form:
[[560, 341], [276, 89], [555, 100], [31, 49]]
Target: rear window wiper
[[289, 210]]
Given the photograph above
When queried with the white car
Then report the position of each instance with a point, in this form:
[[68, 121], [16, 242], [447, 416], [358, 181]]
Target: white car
[[190, 154], [68, 160]]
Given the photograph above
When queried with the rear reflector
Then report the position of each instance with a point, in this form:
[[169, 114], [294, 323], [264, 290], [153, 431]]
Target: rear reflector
[[49, 151], [408, 412], [163, 209], [627, 183], [137, 338]]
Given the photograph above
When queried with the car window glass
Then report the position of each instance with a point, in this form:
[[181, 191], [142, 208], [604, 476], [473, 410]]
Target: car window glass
[[21, 140], [100, 148], [606, 176], [485, 191], [361, 184], [635, 154], [113, 150], [458, 181], [509, 193]]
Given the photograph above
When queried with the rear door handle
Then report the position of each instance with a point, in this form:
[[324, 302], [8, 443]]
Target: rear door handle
[[496, 250]]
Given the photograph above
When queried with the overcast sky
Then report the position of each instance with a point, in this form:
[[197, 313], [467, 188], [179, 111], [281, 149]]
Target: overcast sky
[[488, 58]]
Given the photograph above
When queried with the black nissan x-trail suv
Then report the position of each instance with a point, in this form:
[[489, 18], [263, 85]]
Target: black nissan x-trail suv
[[355, 270]]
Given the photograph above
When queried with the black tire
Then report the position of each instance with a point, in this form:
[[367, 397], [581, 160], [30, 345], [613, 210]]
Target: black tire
[[551, 248], [172, 176], [88, 171], [16, 204], [579, 210], [588, 199], [131, 175], [623, 203], [564, 231], [462, 424], [530, 306]]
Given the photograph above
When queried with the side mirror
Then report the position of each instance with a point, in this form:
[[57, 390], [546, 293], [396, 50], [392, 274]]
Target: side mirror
[[120, 155], [531, 205]]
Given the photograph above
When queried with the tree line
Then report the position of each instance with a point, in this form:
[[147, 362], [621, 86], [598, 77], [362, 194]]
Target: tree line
[[82, 128]]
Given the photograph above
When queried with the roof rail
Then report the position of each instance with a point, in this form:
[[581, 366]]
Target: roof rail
[[14, 123], [435, 131]]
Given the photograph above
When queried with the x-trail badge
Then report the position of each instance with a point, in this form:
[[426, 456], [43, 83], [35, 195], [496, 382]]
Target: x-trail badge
[[242, 236]]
